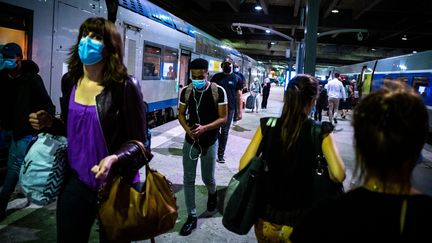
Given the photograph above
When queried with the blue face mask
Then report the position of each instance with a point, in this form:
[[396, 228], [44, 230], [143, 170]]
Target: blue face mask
[[236, 70], [198, 83], [7, 64], [90, 51]]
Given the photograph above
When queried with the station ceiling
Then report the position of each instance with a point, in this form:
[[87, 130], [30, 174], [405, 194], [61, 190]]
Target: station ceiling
[[389, 27]]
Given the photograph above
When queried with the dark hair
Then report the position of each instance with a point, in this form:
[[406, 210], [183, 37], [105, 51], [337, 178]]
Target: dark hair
[[390, 129], [336, 75], [199, 63], [114, 70], [302, 89]]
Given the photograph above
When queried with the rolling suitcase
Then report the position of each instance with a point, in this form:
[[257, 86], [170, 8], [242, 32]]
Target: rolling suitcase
[[250, 102]]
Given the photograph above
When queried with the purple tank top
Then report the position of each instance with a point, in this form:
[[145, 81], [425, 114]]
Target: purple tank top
[[86, 142]]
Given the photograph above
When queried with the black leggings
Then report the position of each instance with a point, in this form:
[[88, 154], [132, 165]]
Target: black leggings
[[77, 209]]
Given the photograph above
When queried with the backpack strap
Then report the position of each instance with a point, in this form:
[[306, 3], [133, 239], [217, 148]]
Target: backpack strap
[[214, 90], [215, 93]]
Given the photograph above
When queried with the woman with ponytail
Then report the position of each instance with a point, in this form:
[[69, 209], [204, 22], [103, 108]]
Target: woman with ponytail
[[290, 154]]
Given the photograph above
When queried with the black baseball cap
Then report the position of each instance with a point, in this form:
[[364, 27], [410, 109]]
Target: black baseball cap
[[11, 50]]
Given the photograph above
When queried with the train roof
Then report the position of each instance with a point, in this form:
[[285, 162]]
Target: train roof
[[154, 12]]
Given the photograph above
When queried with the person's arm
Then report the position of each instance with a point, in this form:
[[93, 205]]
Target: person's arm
[[335, 163], [239, 105], [130, 155], [252, 149]]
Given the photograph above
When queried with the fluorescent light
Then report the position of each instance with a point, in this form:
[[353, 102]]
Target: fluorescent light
[[258, 8], [404, 38], [268, 31], [335, 11]]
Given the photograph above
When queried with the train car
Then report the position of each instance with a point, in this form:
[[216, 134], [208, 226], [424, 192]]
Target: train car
[[158, 45], [414, 69]]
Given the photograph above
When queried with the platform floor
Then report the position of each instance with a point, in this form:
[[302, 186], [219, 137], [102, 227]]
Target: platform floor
[[31, 223]]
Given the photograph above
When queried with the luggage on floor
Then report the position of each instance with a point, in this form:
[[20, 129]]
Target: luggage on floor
[[250, 102]]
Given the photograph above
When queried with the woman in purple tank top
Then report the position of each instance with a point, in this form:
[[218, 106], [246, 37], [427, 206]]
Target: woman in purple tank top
[[102, 109]]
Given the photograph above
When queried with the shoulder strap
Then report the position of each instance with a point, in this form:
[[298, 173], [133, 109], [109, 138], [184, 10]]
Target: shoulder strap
[[215, 93], [265, 129], [316, 140], [188, 93]]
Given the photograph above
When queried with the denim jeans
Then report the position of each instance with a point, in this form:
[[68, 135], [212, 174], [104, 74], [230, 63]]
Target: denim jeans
[[223, 134], [190, 160], [17, 151]]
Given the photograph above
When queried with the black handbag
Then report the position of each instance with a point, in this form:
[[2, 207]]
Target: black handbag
[[323, 187], [243, 198]]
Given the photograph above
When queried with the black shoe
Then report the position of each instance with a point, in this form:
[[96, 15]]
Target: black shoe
[[334, 119], [212, 203], [220, 160], [191, 224]]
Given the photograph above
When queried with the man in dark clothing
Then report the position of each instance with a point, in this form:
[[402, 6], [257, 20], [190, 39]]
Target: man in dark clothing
[[22, 92], [233, 87]]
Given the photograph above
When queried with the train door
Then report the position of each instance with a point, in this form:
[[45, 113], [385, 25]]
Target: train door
[[67, 21], [185, 58], [132, 44]]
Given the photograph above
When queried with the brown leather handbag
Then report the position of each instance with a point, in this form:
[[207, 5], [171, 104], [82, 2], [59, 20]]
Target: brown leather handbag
[[130, 215]]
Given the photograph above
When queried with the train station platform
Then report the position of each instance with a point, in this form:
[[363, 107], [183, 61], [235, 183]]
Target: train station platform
[[31, 223]]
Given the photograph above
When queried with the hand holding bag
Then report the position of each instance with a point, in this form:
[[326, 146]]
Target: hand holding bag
[[130, 215]]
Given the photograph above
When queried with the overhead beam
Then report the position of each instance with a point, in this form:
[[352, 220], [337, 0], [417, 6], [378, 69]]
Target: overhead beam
[[296, 7], [264, 6], [206, 5], [234, 4], [274, 32], [367, 6], [331, 6]]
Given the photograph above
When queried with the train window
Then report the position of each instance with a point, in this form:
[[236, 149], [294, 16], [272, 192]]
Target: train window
[[420, 85], [151, 63], [170, 63]]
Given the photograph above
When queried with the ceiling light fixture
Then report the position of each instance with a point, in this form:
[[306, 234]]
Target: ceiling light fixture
[[335, 11], [267, 31], [404, 38], [258, 7]]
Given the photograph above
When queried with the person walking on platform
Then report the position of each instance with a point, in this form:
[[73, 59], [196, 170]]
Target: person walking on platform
[[255, 90], [321, 104], [102, 110], [22, 92], [233, 87], [287, 150], [243, 80], [205, 105], [335, 91], [265, 93], [390, 130]]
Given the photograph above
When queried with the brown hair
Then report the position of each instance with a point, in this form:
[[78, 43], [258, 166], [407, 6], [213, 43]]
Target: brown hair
[[390, 129], [114, 70], [302, 89]]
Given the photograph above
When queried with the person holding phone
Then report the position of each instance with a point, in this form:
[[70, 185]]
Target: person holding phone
[[206, 112]]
